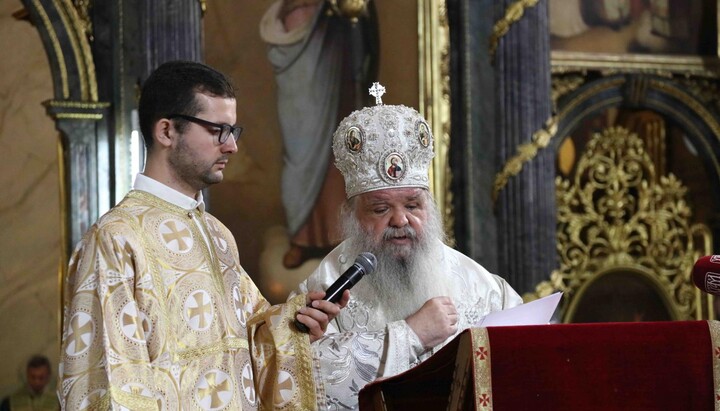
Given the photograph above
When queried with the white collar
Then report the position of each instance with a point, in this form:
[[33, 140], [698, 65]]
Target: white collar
[[158, 189]]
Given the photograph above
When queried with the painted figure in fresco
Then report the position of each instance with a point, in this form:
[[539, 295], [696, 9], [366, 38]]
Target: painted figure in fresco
[[630, 26], [422, 292], [159, 314], [320, 60]]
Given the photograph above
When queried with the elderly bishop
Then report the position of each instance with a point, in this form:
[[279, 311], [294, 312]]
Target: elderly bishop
[[422, 292]]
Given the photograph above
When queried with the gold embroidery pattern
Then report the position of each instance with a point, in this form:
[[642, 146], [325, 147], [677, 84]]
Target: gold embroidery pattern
[[220, 346], [618, 212], [284, 336], [134, 400], [92, 396], [128, 328], [215, 387], [136, 385], [482, 364], [83, 339], [158, 284], [248, 384], [101, 403], [127, 282]]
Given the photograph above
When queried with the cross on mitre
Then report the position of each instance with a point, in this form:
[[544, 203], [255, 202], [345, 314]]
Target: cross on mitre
[[377, 90]]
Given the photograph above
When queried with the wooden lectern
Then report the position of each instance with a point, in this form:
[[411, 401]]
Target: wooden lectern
[[603, 366]]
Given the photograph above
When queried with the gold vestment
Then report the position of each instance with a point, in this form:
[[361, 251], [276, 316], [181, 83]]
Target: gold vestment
[[159, 314]]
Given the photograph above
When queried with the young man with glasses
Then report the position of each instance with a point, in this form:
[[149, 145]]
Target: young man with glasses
[[159, 313]]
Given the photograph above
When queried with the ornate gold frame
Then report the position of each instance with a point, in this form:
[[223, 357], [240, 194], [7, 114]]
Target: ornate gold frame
[[637, 221], [664, 65], [576, 274], [434, 73]]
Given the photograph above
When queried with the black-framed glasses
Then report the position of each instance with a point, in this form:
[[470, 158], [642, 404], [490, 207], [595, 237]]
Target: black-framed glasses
[[225, 129]]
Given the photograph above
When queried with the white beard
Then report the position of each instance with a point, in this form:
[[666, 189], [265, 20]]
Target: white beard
[[405, 276]]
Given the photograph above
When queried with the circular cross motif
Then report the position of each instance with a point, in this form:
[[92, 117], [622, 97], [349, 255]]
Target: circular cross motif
[[240, 305], [285, 388], [93, 396], [217, 237], [393, 166], [135, 324], [354, 139], [176, 236], [199, 310], [423, 133], [214, 390], [138, 389], [247, 384], [80, 334], [153, 384]]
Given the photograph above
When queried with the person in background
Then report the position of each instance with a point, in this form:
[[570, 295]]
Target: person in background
[[159, 312], [422, 292], [32, 396]]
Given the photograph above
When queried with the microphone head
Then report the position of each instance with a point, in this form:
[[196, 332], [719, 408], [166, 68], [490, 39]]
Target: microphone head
[[367, 261], [706, 274]]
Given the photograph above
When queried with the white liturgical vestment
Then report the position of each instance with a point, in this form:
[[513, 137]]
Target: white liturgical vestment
[[361, 345]]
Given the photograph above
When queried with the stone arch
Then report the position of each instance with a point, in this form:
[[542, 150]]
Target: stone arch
[[79, 116]]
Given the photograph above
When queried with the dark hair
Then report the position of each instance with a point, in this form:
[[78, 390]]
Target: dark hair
[[37, 361], [171, 89]]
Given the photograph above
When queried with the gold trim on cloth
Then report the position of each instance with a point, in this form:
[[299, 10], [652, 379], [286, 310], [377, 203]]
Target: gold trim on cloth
[[100, 404], [714, 327], [220, 346], [134, 401], [481, 363]]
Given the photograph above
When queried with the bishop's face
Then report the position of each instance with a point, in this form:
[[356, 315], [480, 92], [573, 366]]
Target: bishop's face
[[394, 217], [197, 157]]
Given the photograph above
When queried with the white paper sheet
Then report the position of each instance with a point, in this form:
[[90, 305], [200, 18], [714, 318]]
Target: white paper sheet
[[536, 312]]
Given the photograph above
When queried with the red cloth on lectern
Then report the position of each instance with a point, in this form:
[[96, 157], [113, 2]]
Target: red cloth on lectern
[[600, 366], [630, 366]]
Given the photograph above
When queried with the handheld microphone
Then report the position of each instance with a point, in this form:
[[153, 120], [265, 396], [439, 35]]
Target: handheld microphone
[[706, 274], [364, 264]]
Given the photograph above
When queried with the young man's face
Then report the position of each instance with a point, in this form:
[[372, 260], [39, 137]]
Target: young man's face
[[198, 159], [38, 378]]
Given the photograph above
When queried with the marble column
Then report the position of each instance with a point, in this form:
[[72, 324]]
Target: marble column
[[82, 133]]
